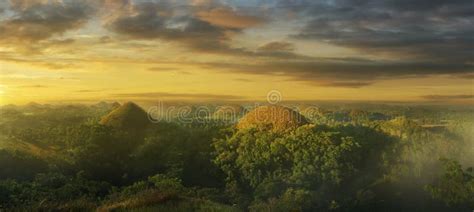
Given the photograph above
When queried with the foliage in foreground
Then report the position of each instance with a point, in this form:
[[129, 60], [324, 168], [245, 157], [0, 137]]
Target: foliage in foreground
[[344, 161]]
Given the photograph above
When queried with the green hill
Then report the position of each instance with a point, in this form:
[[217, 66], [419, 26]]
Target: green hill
[[127, 116]]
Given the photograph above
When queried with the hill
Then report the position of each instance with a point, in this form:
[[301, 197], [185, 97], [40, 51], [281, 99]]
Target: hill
[[127, 116], [273, 117]]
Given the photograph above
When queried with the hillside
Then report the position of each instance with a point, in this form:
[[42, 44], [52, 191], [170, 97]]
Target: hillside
[[127, 116], [276, 118]]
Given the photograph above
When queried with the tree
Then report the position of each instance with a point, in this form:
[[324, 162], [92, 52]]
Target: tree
[[105, 155], [317, 159], [455, 187], [20, 165]]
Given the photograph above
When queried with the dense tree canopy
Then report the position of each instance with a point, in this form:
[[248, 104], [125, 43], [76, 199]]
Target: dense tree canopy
[[339, 159], [316, 160]]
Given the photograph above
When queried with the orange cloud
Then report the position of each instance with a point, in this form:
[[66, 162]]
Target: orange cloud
[[225, 17], [23, 4]]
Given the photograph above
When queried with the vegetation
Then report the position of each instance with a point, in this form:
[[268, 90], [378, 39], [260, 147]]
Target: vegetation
[[273, 118], [126, 117], [356, 158]]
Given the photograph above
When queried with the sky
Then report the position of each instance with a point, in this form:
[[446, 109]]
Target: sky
[[357, 50]]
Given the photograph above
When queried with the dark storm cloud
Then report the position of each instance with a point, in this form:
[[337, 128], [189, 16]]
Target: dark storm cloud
[[428, 29], [34, 20]]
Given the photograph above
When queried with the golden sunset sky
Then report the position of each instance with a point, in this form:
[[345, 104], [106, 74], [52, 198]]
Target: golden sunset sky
[[365, 50]]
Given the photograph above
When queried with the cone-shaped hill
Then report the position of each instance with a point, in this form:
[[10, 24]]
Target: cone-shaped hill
[[272, 117], [127, 116]]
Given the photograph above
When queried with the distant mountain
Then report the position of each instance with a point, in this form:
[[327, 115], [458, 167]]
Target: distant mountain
[[101, 104], [106, 105], [33, 107], [9, 106], [128, 116]]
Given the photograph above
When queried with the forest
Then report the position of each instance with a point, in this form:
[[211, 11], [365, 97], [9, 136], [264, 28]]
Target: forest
[[114, 156]]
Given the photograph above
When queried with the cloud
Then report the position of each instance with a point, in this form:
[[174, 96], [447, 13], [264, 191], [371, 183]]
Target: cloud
[[160, 69], [277, 46], [23, 4], [157, 21], [229, 18], [38, 20], [448, 97], [344, 23], [160, 95], [243, 80], [163, 21], [347, 84], [425, 29], [33, 86], [61, 42], [45, 45], [423, 39], [168, 69], [105, 39], [56, 64], [350, 72], [90, 90]]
